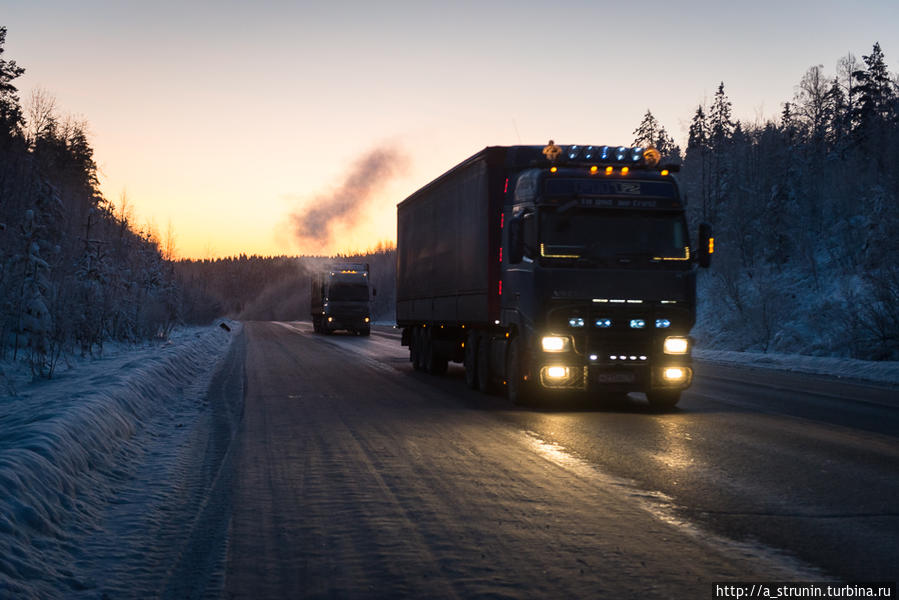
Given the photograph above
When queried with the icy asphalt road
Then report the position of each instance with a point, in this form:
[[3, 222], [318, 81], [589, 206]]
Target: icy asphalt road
[[358, 477]]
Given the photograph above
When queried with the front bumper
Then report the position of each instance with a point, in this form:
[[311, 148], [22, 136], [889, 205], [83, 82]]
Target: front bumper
[[557, 375], [353, 323]]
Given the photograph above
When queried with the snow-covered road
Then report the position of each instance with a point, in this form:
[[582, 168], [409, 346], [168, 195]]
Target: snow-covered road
[[138, 475]]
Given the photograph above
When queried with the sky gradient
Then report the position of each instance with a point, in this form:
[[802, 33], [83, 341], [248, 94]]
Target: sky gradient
[[226, 118]]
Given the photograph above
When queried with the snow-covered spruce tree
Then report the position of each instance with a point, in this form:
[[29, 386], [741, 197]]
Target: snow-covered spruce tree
[[696, 166], [651, 133], [721, 129]]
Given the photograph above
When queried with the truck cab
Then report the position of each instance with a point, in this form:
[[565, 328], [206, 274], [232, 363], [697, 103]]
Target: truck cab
[[340, 299], [599, 279]]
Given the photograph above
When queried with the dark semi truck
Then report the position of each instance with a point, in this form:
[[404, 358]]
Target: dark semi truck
[[550, 270], [340, 298]]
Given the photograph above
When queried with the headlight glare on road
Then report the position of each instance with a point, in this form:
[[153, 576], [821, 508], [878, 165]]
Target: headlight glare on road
[[676, 345], [674, 374], [555, 343]]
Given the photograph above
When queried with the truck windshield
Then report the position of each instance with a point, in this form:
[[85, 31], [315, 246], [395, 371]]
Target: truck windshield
[[348, 291], [609, 236]]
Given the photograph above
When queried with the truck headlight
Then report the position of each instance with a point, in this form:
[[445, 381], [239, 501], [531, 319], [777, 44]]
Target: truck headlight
[[676, 345], [555, 343], [367, 319]]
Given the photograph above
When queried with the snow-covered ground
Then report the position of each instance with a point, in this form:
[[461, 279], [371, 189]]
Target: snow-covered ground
[[107, 467], [91, 461], [886, 373]]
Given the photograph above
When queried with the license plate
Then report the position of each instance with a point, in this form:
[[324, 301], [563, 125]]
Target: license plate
[[620, 377]]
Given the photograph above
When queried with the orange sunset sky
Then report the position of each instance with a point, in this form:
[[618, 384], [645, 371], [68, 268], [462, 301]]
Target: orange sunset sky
[[226, 118]]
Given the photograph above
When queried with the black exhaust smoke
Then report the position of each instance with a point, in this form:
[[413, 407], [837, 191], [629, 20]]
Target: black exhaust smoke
[[314, 225]]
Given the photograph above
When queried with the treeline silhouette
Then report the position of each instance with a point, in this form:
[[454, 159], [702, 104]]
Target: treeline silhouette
[[256, 288], [73, 271]]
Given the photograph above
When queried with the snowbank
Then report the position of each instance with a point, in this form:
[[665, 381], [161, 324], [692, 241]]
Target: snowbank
[[843, 368], [66, 445]]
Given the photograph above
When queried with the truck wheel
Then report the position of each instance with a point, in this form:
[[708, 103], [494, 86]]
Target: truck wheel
[[433, 362], [663, 400], [415, 348], [471, 360], [485, 376], [519, 391]]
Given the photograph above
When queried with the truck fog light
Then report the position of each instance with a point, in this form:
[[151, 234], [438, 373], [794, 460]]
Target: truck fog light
[[555, 343], [557, 372], [674, 374], [676, 345]]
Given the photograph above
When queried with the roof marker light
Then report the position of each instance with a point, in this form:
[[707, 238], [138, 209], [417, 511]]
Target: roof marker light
[[610, 170], [625, 170], [651, 157], [594, 169], [664, 172], [553, 169]]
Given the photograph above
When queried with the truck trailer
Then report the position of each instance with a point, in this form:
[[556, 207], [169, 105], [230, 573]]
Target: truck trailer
[[550, 270], [340, 298]]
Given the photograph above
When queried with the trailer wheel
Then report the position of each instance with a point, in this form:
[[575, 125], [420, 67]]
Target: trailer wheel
[[663, 400], [485, 376], [433, 362], [415, 348], [471, 360], [519, 391]]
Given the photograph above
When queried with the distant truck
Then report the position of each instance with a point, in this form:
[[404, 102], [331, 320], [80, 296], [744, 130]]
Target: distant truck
[[340, 298], [552, 269]]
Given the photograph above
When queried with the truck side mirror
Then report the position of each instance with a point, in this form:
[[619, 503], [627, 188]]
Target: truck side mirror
[[706, 245], [516, 240]]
